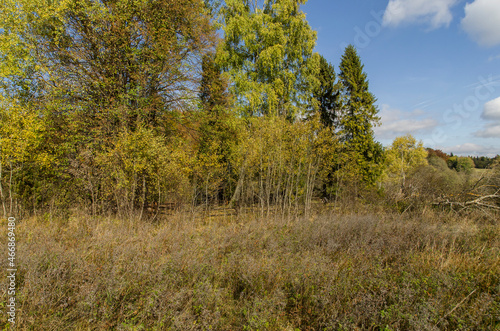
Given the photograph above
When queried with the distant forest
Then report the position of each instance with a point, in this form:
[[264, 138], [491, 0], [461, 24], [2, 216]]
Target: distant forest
[[483, 162], [479, 162]]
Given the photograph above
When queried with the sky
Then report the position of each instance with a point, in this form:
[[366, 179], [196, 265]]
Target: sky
[[433, 65]]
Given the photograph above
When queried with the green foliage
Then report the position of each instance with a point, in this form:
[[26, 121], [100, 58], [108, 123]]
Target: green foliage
[[30, 167], [18, 20], [482, 162], [123, 63], [465, 164], [268, 53], [215, 171], [461, 164], [281, 163], [218, 136], [83, 81], [407, 174], [117, 105], [327, 93], [438, 163], [358, 115], [142, 166], [213, 93]]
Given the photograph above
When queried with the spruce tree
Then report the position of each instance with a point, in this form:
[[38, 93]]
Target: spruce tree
[[358, 115], [213, 92], [217, 137], [327, 93]]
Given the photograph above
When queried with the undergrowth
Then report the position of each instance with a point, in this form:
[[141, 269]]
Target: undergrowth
[[386, 271]]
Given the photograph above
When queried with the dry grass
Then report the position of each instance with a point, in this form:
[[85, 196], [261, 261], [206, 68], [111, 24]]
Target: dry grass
[[329, 272]]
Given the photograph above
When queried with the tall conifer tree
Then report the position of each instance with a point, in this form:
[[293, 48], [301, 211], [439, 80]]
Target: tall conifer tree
[[213, 93], [358, 117], [327, 93], [217, 136]]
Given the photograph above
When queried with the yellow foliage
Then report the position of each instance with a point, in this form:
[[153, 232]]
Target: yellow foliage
[[403, 157], [21, 132]]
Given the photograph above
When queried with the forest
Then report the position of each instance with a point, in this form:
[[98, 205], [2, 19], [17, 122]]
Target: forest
[[196, 165], [119, 107]]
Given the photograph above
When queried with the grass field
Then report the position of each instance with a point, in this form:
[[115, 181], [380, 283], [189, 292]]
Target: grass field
[[364, 271], [481, 172]]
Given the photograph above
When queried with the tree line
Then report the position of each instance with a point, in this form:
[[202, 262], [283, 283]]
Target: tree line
[[464, 163], [117, 105]]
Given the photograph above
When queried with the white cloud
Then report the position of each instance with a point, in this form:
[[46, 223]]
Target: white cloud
[[472, 150], [492, 110], [397, 123], [491, 113], [490, 131], [482, 21], [436, 13]]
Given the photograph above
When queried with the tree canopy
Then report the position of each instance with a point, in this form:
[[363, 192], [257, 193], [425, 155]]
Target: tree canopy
[[123, 104], [404, 157], [268, 53]]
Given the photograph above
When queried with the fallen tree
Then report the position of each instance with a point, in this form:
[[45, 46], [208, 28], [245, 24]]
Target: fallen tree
[[484, 194]]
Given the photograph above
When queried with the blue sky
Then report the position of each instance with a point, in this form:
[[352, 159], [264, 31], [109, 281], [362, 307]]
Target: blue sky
[[434, 66]]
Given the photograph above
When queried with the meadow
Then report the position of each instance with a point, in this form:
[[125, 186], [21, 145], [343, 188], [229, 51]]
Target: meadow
[[334, 270]]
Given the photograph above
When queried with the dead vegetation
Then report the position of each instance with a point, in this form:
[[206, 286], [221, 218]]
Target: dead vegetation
[[482, 193], [429, 271]]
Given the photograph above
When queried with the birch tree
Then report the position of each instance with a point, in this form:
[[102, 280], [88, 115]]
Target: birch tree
[[268, 53]]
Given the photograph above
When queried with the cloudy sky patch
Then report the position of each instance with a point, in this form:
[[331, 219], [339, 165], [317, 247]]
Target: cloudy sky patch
[[492, 110], [398, 123], [473, 150], [435, 62], [482, 21], [435, 13]]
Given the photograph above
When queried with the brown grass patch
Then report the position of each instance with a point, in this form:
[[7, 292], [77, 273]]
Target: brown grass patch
[[329, 272]]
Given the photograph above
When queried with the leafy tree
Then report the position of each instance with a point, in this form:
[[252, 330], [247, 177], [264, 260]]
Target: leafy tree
[[482, 162], [452, 162], [280, 163], [327, 94], [461, 164], [213, 93], [358, 115], [465, 164], [120, 63], [404, 157], [89, 75], [268, 52], [437, 153], [29, 163]]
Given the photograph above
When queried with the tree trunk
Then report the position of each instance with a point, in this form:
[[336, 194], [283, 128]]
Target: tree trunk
[[1, 192], [239, 186], [10, 190]]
